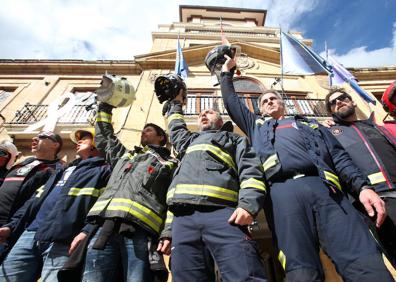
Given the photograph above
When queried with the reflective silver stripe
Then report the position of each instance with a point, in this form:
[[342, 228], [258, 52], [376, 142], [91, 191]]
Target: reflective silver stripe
[[270, 162], [259, 121], [253, 183], [333, 179], [376, 178], [175, 116], [205, 190], [86, 192], [39, 191], [224, 156]]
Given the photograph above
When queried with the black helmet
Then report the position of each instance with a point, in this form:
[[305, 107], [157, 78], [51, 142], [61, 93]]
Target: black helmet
[[215, 58], [168, 86]]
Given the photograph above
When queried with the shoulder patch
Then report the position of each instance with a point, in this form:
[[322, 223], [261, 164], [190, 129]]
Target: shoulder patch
[[336, 131]]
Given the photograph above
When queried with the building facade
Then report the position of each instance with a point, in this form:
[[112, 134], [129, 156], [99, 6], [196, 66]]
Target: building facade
[[30, 90]]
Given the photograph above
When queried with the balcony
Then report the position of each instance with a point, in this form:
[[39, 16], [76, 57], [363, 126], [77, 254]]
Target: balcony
[[30, 114], [306, 107]]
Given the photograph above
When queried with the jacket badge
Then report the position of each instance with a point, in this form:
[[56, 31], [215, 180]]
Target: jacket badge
[[336, 131]]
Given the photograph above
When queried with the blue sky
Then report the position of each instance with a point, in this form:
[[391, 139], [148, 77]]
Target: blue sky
[[359, 33]]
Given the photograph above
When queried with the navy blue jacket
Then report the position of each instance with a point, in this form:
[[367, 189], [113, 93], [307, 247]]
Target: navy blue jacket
[[363, 153], [78, 195], [336, 163]]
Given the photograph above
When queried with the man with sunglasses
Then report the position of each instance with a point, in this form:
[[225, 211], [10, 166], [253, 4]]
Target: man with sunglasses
[[307, 208], [26, 177], [8, 154], [374, 152]]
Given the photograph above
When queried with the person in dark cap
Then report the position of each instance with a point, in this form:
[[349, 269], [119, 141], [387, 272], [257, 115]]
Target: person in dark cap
[[25, 178]]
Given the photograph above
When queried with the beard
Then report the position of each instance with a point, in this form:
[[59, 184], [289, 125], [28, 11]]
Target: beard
[[346, 112], [210, 126]]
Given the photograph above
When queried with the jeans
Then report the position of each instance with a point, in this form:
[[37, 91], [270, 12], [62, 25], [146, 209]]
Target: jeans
[[129, 253], [29, 259]]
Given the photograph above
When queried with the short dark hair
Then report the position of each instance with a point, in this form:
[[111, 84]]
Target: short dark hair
[[159, 131], [331, 92]]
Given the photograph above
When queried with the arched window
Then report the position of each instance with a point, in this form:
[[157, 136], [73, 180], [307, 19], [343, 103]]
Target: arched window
[[249, 89]]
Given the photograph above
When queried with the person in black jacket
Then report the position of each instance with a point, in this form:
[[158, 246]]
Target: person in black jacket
[[131, 212], [215, 194], [305, 166], [8, 154], [373, 151], [54, 216]]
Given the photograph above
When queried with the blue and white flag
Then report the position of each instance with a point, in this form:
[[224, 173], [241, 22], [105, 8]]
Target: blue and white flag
[[297, 58], [181, 67], [340, 75]]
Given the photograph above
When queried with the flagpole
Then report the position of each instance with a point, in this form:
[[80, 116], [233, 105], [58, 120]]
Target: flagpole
[[281, 62]]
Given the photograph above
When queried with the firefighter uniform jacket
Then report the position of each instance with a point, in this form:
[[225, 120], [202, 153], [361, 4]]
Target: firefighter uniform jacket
[[21, 183], [136, 191], [218, 168], [78, 194], [362, 152], [336, 163]]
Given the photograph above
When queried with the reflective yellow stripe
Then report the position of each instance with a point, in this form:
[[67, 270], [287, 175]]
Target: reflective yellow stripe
[[86, 192], [39, 191], [103, 117], [127, 155], [170, 164], [333, 179], [225, 157], [270, 162], [259, 121], [311, 125], [206, 190], [175, 116], [134, 208], [282, 259], [169, 217], [253, 183], [376, 178]]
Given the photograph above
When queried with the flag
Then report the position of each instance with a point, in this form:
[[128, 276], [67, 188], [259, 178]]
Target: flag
[[340, 75], [224, 40], [297, 58], [181, 67]]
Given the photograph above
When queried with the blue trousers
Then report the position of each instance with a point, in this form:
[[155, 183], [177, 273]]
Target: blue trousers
[[305, 215], [129, 254], [236, 255], [29, 259]]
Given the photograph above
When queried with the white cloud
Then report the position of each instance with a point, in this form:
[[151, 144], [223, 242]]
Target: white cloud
[[361, 57], [86, 29]]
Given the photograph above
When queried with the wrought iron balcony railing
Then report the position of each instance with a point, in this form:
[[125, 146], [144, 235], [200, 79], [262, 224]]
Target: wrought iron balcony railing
[[304, 107], [29, 114]]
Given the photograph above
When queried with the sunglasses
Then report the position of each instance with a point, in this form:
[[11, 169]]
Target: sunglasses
[[47, 137], [340, 98], [4, 154]]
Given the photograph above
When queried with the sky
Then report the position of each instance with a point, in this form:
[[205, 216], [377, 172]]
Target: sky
[[359, 33]]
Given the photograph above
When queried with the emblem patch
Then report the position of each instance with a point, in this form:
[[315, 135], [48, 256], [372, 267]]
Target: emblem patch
[[337, 131]]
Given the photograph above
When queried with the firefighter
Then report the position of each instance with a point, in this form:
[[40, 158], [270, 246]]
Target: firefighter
[[50, 220], [215, 194], [131, 212], [373, 151], [304, 165]]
